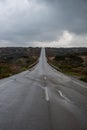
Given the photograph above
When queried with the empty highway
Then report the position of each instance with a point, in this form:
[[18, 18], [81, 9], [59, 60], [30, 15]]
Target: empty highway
[[43, 99]]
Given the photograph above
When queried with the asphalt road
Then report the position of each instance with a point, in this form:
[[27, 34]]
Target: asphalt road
[[43, 99]]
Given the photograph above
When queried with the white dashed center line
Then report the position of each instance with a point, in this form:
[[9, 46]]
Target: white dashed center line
[[46, 94]]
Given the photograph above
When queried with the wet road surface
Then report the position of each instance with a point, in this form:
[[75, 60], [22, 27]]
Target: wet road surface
[[43, 99]]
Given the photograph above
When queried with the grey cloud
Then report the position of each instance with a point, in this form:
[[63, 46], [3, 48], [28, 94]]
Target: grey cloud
[[73, 14], [45, 23]]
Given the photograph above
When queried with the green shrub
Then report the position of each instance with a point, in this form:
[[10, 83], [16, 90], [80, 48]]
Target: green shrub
[[84, 78]]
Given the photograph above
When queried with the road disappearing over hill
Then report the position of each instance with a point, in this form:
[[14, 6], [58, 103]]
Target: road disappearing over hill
[[43, 99]]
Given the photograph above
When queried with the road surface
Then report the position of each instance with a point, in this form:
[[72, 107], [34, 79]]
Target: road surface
[[42, 99]]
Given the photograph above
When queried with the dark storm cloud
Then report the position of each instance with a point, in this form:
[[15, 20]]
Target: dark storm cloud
[[73, 14], [41, 20]]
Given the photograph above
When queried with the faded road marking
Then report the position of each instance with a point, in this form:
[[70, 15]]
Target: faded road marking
[[5, 83], [45, 77]]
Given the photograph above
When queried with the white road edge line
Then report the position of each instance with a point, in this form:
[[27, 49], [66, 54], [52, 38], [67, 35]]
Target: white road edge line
[[46, 94], [60, 93], [5, 83], [83, 86]]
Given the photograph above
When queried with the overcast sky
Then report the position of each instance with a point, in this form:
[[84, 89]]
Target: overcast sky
[[53, 23]]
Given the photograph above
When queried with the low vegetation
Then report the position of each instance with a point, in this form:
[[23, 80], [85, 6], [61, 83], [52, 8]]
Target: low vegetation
[[15, 60], [70, 62]]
